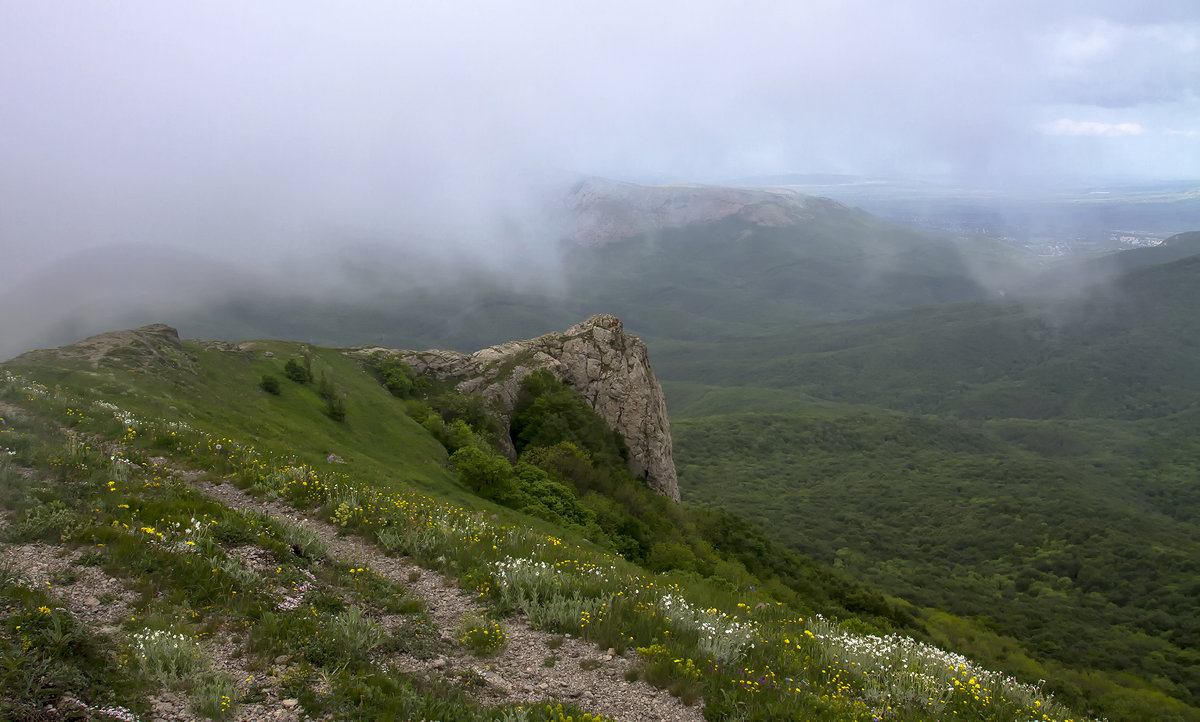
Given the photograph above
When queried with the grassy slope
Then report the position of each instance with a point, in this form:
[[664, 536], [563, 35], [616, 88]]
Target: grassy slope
[[213, 388], [216, 389]]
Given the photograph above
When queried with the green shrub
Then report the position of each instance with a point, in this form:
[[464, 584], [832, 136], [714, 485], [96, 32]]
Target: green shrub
[[215, 696], [355, 634], [481, 469], [297, 372], [50, 522], [397, 376], [44, 651], [335, 406], [472, 409], [483, 636], [454, 435], [549, 412], [270, 384]]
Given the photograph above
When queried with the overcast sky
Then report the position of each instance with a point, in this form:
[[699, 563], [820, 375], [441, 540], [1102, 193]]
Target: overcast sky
[[277, 125]]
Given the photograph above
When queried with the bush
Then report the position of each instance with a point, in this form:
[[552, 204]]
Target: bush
[[535, 492], [270, 384], [296, 372], [483, 636], [481, 469], [549, 412], [454, 435], [397, 376], [49, 522], [335, 406], [472, 409]]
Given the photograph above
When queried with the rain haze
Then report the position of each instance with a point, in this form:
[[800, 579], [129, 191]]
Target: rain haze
[[258, 140]]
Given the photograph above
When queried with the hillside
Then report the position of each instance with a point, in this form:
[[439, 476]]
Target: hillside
[[1122, 351], [186, 540], [1012, 478], [1027, 465]]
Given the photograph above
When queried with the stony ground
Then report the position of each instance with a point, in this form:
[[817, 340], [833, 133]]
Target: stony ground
[[533, 666]]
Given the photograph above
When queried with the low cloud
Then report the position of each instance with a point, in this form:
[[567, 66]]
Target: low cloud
[[1066, 126], [305, 144]]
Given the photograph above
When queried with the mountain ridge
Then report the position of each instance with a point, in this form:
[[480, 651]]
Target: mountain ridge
[[603, 211]]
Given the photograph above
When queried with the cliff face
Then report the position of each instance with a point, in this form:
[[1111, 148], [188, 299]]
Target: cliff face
[[609, 369]]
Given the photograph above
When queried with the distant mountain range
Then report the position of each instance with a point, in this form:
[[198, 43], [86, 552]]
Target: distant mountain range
[[675, 261]]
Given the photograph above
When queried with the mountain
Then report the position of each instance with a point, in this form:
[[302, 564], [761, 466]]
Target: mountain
[[602, 211], [1121, 351], [674, 262], [268, 529], [919, 437]]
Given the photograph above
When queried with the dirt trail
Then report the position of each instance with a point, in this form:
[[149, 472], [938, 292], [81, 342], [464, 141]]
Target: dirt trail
[[517, 673]]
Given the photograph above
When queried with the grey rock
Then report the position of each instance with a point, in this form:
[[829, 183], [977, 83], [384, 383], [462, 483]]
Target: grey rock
[[607, 367], [496, 681]]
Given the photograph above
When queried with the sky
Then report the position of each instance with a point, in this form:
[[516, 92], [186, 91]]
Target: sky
[[268, 129]]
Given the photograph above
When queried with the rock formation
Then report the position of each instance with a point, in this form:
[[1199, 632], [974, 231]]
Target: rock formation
[[154, 345], [609, 369]]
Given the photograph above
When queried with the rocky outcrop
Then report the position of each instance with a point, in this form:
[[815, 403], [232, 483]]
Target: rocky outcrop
[[155, 345], [602, 211], [607, 367]]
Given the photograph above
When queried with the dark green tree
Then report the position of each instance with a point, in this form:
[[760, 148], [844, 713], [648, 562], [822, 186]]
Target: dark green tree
[[296, 372]]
